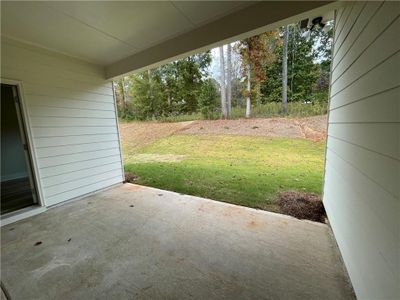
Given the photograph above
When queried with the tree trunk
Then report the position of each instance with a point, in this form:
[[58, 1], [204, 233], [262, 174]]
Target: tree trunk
[[284, 69], [229, 79], [123, 95], [291, 92], [223, 88], [151, 95], [248, 103]]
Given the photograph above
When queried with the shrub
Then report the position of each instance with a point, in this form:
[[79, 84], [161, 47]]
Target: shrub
[[268, 110]]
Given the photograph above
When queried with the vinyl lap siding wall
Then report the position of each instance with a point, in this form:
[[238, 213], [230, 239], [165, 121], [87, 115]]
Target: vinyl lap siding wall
[[361, 192], [71, 112]]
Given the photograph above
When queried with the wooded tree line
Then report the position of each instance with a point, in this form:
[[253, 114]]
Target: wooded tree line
[[285, 65]]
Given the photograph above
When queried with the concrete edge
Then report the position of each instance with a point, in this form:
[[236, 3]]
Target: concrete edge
[[259, 211]]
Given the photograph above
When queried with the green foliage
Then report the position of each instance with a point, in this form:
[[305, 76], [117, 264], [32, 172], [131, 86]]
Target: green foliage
[[302, 72], [169, 90], [237, 92], [256, 169], [268, 110], [147, 95], [308, 68], [182, 90], [208, 99], [183, 80], [274, 109], [257, 52]]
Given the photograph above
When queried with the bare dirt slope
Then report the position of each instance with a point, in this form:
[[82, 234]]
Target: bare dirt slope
[[137, 134], [313, 128]]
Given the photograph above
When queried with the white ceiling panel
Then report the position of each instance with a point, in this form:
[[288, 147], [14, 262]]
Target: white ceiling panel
[[130, 35], [104, 32], [203, 12], [37, 24], [138, 23]]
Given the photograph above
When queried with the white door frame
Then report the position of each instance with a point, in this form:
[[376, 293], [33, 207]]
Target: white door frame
[[29, 141]]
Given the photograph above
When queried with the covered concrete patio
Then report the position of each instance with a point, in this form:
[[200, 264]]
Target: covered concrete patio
[[132, 241]]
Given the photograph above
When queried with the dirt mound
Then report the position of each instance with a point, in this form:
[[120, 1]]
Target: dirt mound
[[130, 177], [302, 206], [313, 128], [137, 134]]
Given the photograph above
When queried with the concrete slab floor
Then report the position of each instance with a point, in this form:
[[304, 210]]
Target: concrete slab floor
[[134, 242]]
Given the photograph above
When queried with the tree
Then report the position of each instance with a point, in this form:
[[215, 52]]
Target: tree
[[148, 98], [237, 92], [123, 92], [190, 73], [171, 89], [223, 87], [302, 68], [150, 93], [255, 53], [308, 64], [248, 101], [285, 68], [229, 79], [121, 97], [324, 40], [208, 98]]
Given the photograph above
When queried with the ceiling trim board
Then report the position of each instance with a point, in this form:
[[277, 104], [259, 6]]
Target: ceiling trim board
[[251, 20]]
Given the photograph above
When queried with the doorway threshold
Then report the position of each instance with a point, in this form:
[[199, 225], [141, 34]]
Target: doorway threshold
[[23, 213]]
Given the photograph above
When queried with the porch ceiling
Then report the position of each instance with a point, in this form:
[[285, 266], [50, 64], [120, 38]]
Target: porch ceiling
[[104, 32], [126, 36], [138, 242]]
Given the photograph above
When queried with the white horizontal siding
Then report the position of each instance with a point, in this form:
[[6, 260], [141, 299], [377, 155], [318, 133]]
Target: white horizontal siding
[[77, 175], [378, 137], [72, 120], [63, 111], [57, 141], [74, 149], [54, 101], [371, 83], [375, 25], [353, 15], [362, 172], [62, 92], [381, 169], [364, 111], [370, 58], [62, 160], [66, 121], [343, 46], [82, 190], [40, 132], [79, 166], [51, 191]]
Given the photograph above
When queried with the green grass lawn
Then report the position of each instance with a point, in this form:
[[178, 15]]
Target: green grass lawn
[[248, 171]]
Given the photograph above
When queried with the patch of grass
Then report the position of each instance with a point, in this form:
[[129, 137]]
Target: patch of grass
[[248, 171]]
